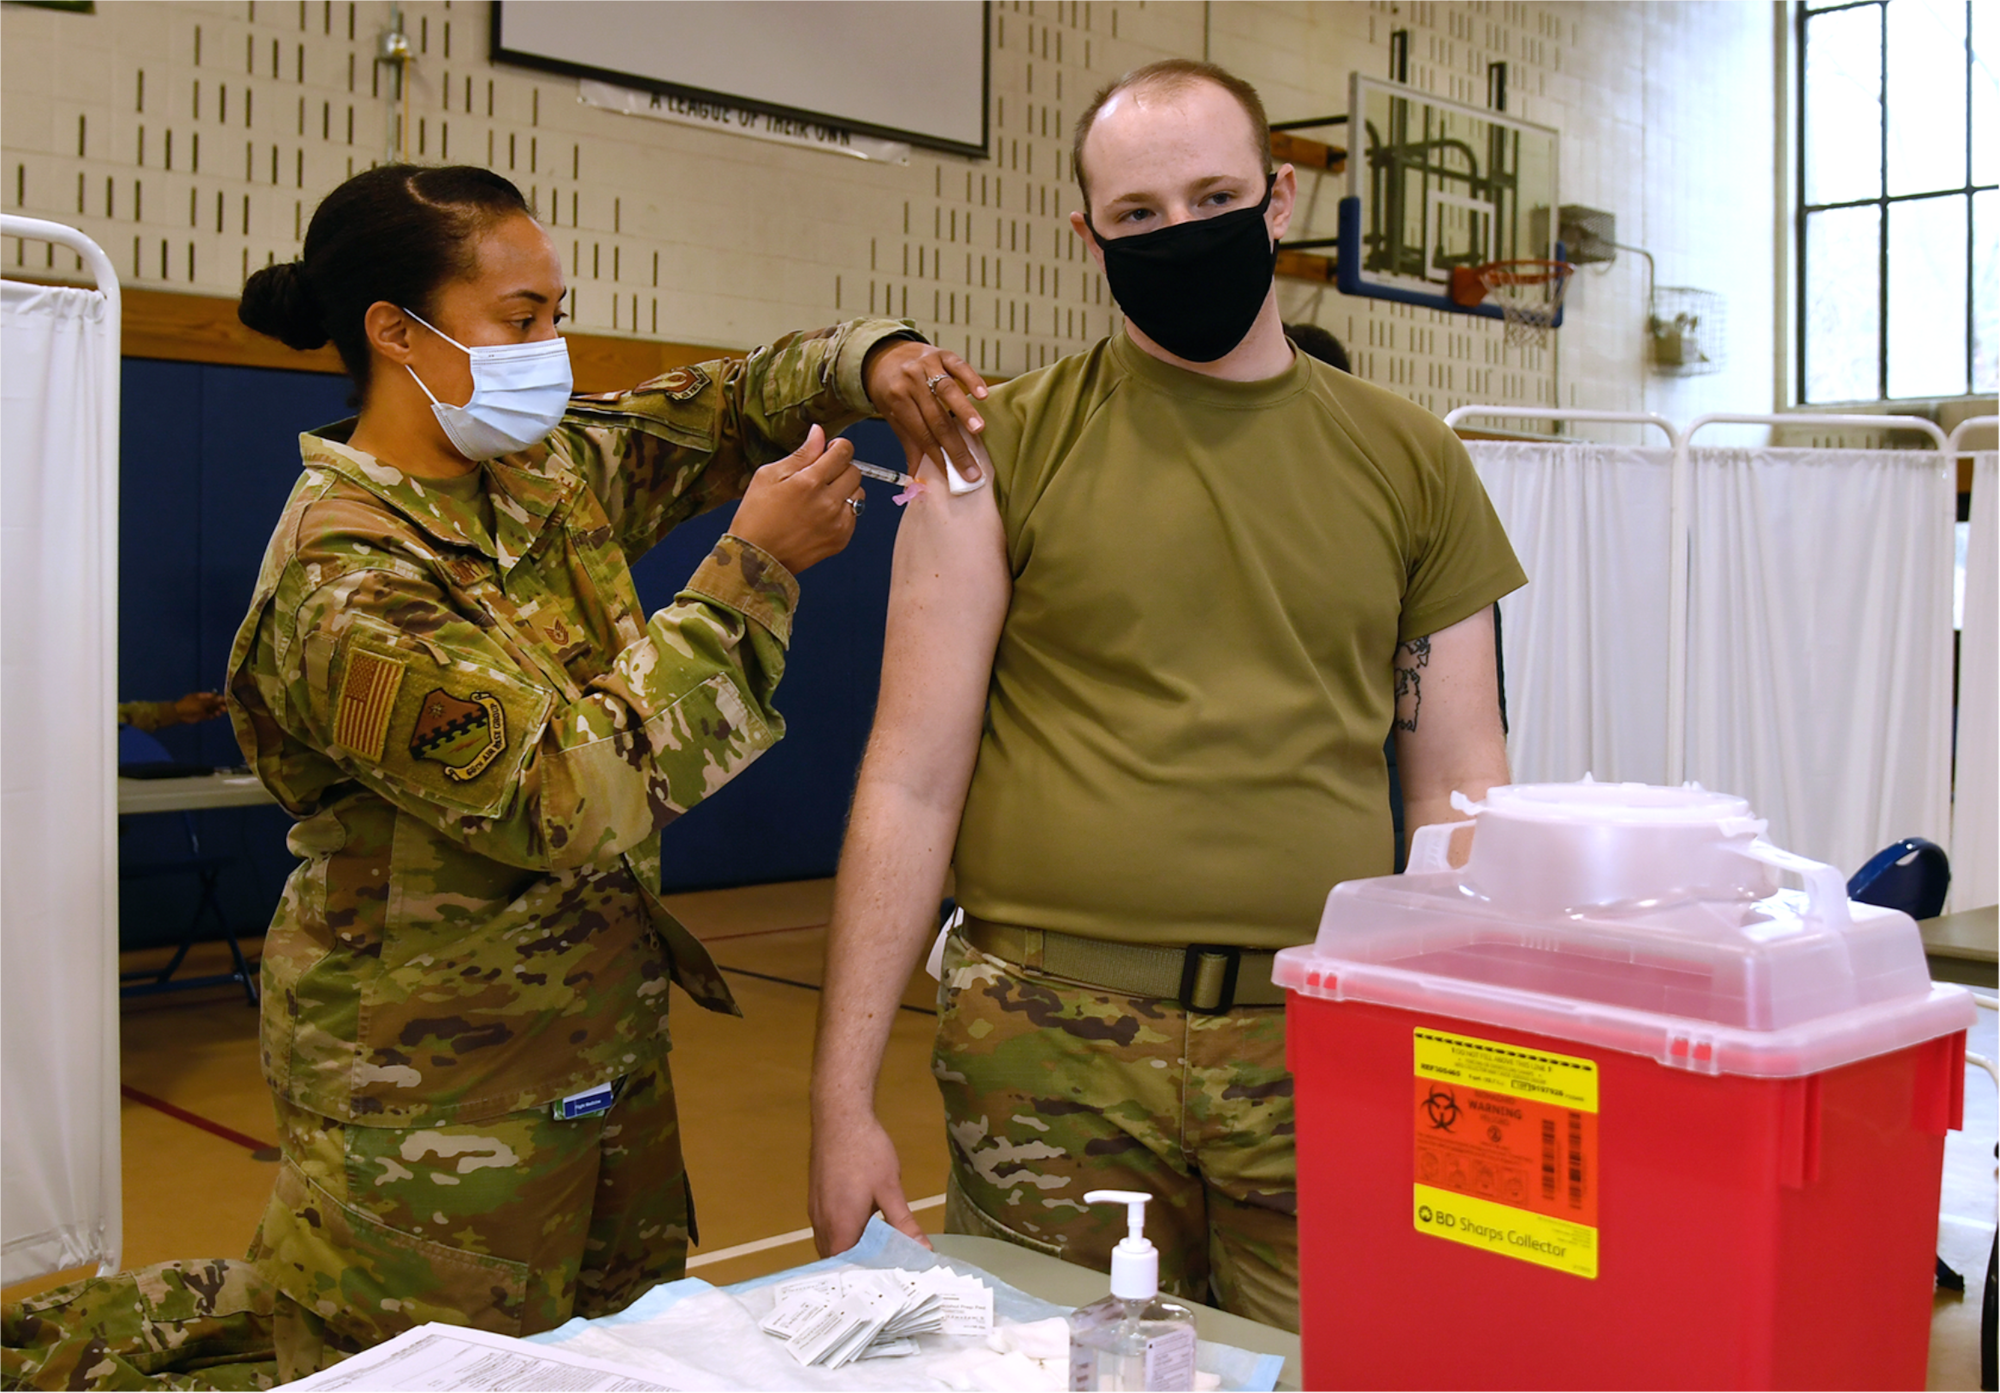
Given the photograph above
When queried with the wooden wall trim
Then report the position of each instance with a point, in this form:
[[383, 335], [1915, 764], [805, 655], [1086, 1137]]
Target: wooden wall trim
[[204, 329], [1314, 155]]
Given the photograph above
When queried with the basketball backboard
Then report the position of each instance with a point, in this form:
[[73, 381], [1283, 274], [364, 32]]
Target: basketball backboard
[[1434, 184]]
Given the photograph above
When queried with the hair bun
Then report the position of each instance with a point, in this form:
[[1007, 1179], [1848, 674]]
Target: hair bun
[[278, 303]]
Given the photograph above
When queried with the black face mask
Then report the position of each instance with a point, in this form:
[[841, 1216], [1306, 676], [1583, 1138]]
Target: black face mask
[[1195, 288]]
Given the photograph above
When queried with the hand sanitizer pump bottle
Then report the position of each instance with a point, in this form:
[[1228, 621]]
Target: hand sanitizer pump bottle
[[1134, 1338]]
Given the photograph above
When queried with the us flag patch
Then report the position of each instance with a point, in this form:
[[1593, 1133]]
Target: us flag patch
[[367, 699]]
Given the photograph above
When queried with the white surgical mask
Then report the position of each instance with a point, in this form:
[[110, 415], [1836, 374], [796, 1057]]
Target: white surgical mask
[[519, 394]]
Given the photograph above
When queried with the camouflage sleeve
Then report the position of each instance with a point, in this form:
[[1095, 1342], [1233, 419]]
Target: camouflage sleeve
[[146, 715], [434, 712], [690, 439]]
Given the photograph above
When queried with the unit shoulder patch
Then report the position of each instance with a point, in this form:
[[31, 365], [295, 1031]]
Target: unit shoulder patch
[[464, 735], [367, 701]]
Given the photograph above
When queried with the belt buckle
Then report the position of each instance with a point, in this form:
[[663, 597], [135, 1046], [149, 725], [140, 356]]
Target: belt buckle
[[1200, 956]]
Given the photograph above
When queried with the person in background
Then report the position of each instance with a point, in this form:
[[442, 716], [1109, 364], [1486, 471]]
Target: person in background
[[158, 715], [1137, 693], [446, 677], [1310, 338]]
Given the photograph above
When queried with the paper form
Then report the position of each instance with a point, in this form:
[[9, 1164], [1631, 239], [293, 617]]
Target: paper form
[[446, 1357]]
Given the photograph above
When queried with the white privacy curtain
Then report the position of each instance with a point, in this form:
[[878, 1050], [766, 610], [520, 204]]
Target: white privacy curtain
[[58, 857], [1975, 814], [1586, 638], [1819, 643]]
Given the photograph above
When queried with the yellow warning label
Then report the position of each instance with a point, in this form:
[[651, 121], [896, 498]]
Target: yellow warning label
[[1506, 1150], [1549, 1078], [1514, 1233]]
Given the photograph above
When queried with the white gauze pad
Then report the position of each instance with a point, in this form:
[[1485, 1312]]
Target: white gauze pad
[[957, 481]]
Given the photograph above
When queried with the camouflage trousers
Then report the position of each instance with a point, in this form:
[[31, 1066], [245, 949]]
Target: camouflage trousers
[[1052, 1089], [512, 1225], [171, 1326]]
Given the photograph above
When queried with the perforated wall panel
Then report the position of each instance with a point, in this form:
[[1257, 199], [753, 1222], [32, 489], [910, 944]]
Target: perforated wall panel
[[192, 140]]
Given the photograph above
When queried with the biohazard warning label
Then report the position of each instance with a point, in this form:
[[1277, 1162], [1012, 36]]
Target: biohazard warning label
[[1506, 1150]]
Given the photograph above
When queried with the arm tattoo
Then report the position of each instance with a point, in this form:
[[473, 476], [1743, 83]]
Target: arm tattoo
[[1410, 661]]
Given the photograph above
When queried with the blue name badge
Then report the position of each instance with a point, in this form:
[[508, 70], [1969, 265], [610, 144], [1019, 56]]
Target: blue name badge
[[588, 1103]]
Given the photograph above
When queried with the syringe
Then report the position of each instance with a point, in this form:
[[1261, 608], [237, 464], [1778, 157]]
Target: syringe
[[884, 473]]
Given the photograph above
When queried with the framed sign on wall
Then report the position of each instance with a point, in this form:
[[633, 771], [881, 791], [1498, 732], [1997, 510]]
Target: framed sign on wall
[[908, 70]]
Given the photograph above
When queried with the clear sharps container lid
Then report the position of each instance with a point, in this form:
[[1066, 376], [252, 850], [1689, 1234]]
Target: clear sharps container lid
[[1653, 920]]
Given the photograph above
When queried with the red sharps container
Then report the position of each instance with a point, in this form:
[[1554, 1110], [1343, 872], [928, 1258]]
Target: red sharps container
[[1634, 1100]]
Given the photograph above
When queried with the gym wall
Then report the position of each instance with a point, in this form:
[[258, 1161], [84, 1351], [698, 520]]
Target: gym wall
[[192, 140]]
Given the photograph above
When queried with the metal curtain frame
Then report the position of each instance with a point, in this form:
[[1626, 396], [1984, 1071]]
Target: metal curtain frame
[[1958, 432], [1678, 531], [1677, 636], [1542, 413], [99, 265]]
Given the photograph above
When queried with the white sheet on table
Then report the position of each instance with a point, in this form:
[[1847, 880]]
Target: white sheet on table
[[715, 1331]]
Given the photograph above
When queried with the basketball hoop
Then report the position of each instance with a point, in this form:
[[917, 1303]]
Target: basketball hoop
[[1529, 293]]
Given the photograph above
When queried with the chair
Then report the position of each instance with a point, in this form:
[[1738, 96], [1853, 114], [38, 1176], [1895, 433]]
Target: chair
[[1912, 875], [138, 747]]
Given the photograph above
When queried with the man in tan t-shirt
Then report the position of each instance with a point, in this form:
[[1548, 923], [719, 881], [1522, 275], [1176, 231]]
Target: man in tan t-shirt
[[1137, 691]]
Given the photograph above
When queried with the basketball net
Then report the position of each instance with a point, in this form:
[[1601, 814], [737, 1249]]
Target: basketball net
[[1529, 294]]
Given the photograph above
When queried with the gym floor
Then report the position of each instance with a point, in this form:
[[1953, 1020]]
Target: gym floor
[[198, 1134]]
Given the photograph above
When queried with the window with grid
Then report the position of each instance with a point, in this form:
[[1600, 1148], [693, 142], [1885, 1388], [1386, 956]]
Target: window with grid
[[1898, 218]]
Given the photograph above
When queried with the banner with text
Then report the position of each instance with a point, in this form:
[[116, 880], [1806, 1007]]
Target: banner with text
[[720, 116]]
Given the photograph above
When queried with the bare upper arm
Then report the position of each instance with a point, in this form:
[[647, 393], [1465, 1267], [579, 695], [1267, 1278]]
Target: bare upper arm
[[1447, 720], [948, 595]]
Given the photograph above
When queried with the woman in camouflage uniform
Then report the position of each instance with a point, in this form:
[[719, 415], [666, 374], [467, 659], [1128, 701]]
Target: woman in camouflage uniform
[[446, 677]]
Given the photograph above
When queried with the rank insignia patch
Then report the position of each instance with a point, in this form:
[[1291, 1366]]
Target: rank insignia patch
[[464, 736], [682, 383]]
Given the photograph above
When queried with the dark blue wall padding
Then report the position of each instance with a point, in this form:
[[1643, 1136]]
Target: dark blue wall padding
[[781, 819], [208, 456]]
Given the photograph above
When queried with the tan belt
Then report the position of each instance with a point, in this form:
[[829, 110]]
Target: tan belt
[[1206, 978]]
